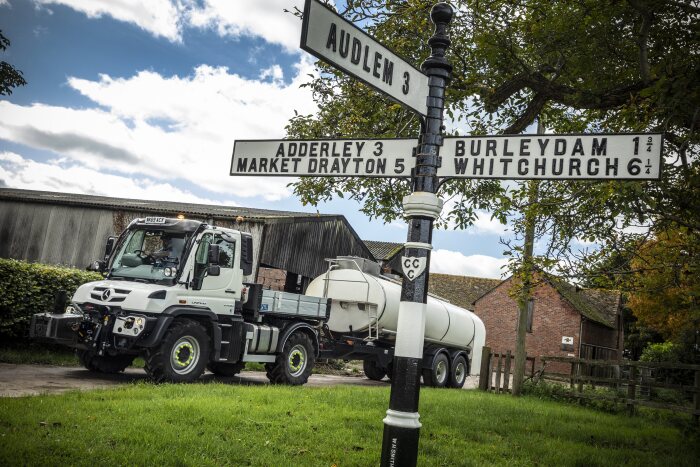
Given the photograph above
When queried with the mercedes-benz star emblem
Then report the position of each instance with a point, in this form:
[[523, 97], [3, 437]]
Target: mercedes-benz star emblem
[[106, 294]]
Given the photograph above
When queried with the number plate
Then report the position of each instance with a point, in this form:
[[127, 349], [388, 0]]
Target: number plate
[[155, 220]]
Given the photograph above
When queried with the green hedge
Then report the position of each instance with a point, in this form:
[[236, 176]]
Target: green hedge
[[28, 288]]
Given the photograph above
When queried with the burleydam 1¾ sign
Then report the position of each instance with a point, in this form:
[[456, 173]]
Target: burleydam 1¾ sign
[[583, 157]]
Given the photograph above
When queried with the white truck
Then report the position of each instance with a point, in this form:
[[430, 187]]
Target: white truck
[[174, 293]]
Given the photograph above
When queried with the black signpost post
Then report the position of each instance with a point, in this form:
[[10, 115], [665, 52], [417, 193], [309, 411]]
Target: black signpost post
[[422, 207]]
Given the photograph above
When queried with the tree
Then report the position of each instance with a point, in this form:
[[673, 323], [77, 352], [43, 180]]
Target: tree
[[10, 77]]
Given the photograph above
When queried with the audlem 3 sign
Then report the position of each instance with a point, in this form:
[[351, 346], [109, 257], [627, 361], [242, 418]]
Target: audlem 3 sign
[[580, 157]]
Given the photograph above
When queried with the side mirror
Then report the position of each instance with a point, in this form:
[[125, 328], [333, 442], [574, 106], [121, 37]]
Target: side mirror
[[109, 246], [246, 254], [214, 270], [96, 266], [214, 253]]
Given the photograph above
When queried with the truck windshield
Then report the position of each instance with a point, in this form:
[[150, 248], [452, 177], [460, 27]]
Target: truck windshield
[[149, 254]]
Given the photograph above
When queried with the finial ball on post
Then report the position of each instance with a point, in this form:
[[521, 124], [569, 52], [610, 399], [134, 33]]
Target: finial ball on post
[[441, 13]]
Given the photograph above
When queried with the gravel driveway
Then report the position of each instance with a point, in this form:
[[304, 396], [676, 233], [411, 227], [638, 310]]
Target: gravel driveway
[[25, 380]]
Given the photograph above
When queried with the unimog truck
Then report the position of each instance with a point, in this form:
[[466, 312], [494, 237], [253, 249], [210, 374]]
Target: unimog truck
[[174, 293]]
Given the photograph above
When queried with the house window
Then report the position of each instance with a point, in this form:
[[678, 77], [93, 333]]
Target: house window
[[530, 311]]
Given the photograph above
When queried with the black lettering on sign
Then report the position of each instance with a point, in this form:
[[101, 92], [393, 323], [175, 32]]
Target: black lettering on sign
[[292, 150], [599, 148], [280, 150], [344, 43], [331, 42], [335, 168], [296, 161], [284, 166], [475, 149], [303, 149], [491, 147], [591, 169], [323, 166], [262, 165], [347, 149], [523, 166], [524, 146], [578, 148], [242, 165], [574, 164], [388, 71], [611, 165], [357, 161], [540, 166], [324, 150], [364, 62], [505, 163], [313, 165], [312, 149], [491, 166], [369, 166], [399, 166], [381, 166], [559, 147], [543, 145], [557, 166], [406, 86], [335, 153], [273, 165], [356, 52], [459, 148], [345, 165], [377, 64], [379, 148], [506, 152], [460, 165], [478, 165]]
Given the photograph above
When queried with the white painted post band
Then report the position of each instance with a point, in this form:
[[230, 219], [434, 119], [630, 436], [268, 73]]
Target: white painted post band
[[410, 330], [422, 204], [424, 246], [402, 419]]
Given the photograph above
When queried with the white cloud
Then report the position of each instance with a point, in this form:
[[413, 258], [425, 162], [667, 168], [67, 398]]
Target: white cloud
[[454, 262], [166, 128], [229, 18], [162, 18], [57, 175]]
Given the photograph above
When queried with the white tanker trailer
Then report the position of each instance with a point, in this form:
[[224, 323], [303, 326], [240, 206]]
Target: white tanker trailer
[[363, 319]]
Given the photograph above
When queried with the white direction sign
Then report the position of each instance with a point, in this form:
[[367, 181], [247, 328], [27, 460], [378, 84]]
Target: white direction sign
[[324, 158], [522, 157], [553, 157], [337, 41]]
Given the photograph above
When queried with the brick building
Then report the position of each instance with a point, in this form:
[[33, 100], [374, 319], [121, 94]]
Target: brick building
[[563, 320]]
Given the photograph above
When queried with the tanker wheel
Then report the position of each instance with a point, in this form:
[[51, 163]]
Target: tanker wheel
[[109, 364], [294, 365], [458, 372], [372, 369], [182, 354], [438, 375], [226, 369]]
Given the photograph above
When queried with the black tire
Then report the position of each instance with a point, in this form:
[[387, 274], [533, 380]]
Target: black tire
[[226, 369], [438, 375], [372, 369], [182, 354], [458, 372], [296, 362], [109, 364]]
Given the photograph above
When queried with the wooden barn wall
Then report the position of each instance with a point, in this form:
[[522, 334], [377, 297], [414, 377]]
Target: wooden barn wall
[[599, 335], [53, 234], [301, 246]]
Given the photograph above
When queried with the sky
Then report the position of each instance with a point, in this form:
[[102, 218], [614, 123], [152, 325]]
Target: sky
[[145, 99]]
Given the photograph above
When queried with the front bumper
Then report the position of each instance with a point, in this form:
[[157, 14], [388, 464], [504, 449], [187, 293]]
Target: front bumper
[[56, 328]]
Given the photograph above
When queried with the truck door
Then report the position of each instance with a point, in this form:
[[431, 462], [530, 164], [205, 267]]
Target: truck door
[[227, 264]]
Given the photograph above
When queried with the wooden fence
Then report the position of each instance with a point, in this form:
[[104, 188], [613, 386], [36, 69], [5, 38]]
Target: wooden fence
[[496, 370], [635, 383]]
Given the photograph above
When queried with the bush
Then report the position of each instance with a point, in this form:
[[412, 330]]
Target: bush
[[28, 288]]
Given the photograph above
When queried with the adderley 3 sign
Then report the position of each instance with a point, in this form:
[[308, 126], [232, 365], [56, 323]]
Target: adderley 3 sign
[[554, 157], [333, 39]]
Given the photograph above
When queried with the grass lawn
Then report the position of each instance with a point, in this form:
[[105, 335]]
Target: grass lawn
[[215, 424]]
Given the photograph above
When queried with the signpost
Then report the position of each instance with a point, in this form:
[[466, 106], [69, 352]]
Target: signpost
[[331, 38]]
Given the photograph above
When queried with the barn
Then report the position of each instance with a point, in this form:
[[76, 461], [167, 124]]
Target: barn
[[71, 229]]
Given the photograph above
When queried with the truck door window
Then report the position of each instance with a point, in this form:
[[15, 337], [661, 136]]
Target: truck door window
[[227, 252]]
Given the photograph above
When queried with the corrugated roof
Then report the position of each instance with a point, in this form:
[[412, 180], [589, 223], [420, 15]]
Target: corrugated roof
[[460, 290], [164, 207], [383, 250]]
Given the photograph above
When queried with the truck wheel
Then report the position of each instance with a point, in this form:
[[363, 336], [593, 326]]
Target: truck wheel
[[458, 372], [109, 364], [226, 369], [438, 375], [295, 363], [373, 370], [182, 354]]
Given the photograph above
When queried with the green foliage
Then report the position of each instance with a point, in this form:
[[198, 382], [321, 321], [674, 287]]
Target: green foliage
[[28, 288], [10, 77], [661, 352], [221, 424], [559, 392]]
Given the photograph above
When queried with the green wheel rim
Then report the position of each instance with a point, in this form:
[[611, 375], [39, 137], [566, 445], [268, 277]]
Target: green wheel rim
[[185, 355], [297, 360]]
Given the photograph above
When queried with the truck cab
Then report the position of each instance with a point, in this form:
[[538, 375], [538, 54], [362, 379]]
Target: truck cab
[[174, 293]]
